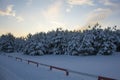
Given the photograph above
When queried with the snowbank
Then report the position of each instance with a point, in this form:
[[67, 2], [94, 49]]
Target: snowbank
[[107, 66]]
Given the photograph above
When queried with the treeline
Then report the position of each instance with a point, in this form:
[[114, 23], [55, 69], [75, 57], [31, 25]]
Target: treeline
[[95, 41]]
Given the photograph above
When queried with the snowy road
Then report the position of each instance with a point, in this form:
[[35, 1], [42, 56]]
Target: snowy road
[[14, 70], [10, 69]]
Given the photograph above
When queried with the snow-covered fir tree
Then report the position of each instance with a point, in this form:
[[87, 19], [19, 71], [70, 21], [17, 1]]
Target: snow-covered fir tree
[[74, 44], [35, 45], [19, 44], [57, 43], [7, 43], [117, 32], [103, 41], [94, 41], [86, 47]]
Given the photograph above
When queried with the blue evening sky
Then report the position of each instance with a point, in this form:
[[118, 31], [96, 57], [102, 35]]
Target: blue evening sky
[[21, 17]]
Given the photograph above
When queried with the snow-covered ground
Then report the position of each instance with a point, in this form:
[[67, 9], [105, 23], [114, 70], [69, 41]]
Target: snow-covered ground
[[10, 69]]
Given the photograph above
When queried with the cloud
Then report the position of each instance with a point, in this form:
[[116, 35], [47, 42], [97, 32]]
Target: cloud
[[98, 15], [113, 4], [10, 12], [52, 15], [80, 2], [107, 2], [53, 11], [73, 3]]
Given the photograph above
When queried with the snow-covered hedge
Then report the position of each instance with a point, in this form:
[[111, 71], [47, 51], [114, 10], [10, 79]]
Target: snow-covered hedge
[[95, 41]]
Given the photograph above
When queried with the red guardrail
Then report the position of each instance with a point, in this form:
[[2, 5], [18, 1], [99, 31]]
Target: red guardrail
[[29, 61], [104, 78], [17, 58], [44, 65], [53, 67], [62, 69]]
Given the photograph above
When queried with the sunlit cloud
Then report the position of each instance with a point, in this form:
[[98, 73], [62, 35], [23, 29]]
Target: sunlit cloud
[[53, 11], [107, 2], [73, 3], [81, 2], [98, 15], [52, 14], [113, 4], [10, 12]]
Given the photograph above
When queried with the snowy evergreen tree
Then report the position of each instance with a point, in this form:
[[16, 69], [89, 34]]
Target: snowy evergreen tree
[[57, 43], [117, 32], [93, 41], [34, 45], [19, 44], [7, 43], [86, 47], [74, 44], [107, 48], [103, 41], [34, 48]]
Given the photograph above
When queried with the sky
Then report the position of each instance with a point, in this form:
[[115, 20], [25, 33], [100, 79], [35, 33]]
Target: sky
[[21, 17]]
